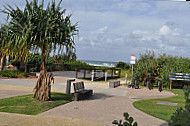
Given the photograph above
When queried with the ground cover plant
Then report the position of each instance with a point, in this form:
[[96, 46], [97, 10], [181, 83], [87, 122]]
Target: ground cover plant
[[27, 105], [122, 65], [162, 111]]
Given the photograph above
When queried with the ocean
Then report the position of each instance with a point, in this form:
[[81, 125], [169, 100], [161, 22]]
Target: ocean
[[100, 63]]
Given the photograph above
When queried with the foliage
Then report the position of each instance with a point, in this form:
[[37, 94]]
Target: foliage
[[13, 73], [122, 65], [70, 56], [27, 105], [129, 121], [41, 29], [45, 30], [79, 64], [124, 72], [37, 59], [181, 117], [5, 44], [149, 67], [163, 112]]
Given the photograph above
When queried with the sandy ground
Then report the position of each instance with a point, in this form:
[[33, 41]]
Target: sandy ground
[[105, 106]]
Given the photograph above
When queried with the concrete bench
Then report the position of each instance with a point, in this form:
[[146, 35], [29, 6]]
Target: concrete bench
[[80, 92], [114, 84]]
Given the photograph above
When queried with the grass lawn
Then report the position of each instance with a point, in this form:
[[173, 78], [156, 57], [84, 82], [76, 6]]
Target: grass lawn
[[161, 111], [27, 105]]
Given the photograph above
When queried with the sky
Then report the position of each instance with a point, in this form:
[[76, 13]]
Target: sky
[[115, 29]]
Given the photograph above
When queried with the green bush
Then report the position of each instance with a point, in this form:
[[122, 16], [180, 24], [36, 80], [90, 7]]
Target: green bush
[[77, 64], [8, 73], [24, 74], [36, 59], [181, 117], [150, 67], [122, 65]]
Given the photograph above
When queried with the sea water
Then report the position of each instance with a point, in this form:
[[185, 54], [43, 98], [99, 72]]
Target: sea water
[[100, 63]]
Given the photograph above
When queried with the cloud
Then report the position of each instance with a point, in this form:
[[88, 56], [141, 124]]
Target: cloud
[[102, 30], [113, 30], [164, 30]]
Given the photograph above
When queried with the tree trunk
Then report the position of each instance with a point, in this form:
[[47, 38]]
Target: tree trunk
[[2, 61], [7, 60], [42, 67], [43, 85], [22, 62], [144, 82], [21, 67]]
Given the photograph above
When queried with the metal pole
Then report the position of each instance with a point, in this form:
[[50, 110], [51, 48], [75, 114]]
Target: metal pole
[[132, 70], [132, 74]]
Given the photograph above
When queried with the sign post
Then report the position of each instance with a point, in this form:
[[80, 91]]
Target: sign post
[[132, 61]]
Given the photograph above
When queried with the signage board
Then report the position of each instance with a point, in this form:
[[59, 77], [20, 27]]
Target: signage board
[[133, 59]]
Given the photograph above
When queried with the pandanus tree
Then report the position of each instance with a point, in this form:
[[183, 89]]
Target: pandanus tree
[[47, 30], [146, 66], [6, 47]]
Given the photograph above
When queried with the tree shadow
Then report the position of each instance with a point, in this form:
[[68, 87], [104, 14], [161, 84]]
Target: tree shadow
[[96, 96], [60, 96]]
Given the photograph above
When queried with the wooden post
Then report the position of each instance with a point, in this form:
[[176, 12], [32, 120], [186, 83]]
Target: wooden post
[[171, 81], [76, 75], [92, 76], [126, 79], [106, 75], [170, 84], [112, 72], [85, 73], [119, 73]]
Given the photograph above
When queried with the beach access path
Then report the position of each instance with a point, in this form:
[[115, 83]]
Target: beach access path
[[105, 106]]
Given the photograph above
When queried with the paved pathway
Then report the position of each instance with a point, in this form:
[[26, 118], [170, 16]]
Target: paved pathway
[[105, 106], [7, 119]]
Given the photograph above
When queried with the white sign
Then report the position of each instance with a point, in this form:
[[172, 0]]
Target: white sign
[[133, 59]]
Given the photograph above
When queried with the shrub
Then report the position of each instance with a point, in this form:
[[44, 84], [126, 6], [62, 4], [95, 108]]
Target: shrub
[[128, 121], [24, 74], [8, 73], [77, 64], [181, 117], [122, 65], [13, 73]]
